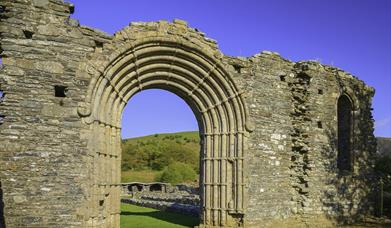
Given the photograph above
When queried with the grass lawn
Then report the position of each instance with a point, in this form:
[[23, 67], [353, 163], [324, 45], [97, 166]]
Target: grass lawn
[[140, 176], [140, 217]]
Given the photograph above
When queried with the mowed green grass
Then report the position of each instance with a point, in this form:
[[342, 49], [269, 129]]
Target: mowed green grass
[[145, 176], [133, 216], [194, 135]]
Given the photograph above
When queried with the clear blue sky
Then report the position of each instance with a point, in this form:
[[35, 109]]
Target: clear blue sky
[[354, 35]]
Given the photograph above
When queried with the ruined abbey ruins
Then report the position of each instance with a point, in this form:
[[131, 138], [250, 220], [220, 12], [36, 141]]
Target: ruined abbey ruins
[[281, 141]]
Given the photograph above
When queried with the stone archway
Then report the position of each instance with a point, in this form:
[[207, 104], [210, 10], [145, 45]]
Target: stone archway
[[189, 71]]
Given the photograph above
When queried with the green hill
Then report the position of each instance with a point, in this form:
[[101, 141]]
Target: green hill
[[157, 156]]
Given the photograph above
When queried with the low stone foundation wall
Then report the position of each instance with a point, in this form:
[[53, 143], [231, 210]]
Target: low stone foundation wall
[[181, 199], [187, 209], [190, 199], [133, 187]]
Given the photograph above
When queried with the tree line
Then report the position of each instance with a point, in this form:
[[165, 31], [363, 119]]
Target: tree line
[[176, 155]]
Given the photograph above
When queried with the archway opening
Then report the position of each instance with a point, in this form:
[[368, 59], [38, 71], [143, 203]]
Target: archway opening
[[134, 187], [344, 160], [160, 151]]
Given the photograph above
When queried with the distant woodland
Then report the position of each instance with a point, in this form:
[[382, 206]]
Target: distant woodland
[[383, 170], [384, 146]]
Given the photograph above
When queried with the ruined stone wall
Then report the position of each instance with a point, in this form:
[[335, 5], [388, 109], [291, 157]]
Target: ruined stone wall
[[292, 156], [264, 78], [46, 165], [43, 175]]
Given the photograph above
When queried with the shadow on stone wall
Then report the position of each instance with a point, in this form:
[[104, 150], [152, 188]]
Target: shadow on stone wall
[[2, 220], [349, 196]]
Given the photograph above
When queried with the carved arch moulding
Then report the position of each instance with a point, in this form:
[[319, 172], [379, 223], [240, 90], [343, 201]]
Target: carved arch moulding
[[191, 72]]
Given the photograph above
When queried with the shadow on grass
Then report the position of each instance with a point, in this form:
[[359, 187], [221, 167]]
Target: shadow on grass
[[167, 217]]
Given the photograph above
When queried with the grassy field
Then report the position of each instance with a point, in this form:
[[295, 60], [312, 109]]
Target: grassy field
[[145, 176], [140, 217], [185, 134]]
